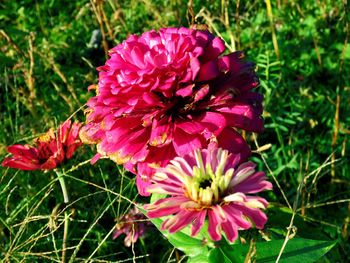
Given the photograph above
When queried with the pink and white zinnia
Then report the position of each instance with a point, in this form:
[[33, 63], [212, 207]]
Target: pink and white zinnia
[[209, 183]]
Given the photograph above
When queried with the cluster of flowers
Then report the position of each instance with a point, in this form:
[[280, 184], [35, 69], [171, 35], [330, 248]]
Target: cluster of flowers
[[168, 105]]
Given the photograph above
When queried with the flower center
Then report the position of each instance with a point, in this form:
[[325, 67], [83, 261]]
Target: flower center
[[204, 184], [208, 186], [180, 107]]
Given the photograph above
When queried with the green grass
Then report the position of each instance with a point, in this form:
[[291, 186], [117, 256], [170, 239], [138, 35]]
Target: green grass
[[46, 65]]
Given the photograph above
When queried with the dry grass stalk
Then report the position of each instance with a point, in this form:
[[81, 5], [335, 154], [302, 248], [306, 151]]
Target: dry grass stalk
[[272, 26]]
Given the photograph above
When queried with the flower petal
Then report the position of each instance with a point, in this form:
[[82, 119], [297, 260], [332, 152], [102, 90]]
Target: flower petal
[[198, 222]]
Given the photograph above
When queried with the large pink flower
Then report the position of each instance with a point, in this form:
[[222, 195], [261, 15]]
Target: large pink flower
[[51, 149], [209, 184], [164, 94]]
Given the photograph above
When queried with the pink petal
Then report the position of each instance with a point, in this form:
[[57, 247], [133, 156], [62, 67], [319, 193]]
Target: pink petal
[[195, 67], [180, 220], [185, 91], [230, 230], [235, 217], [160, 155], [171, 188], [198, 222], [201, 93], [232, 141], [213, 121], [214, 226], [142, 186], [161, 133], [242, 116], [185, 143], [20, 163], [253, 184], [208, 71], [23, 150], [165, 206], [50, 163], [256, 215], [95, 158], [117, 234], [215, 49]]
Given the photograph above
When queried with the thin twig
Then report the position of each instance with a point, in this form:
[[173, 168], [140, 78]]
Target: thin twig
[[335, 132], [29, 76], [11, 42], [291, 228], [101, 243], [328, 203], [271, 173]]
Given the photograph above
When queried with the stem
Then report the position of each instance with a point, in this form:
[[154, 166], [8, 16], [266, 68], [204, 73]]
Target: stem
[[63, 187], [144, 248], [66, 216]]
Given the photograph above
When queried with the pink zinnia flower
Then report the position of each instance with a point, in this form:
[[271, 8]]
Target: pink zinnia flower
[[133, 225], [164, 94], [209, 184], [50, 149]]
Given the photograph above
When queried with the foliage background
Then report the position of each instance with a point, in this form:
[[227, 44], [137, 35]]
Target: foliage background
[[48, 59]]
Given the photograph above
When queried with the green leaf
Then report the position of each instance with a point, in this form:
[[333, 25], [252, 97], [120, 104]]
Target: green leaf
[[219, 255], [201, 258], [189, 245], [296, 250], [182, 240], [156, 197]]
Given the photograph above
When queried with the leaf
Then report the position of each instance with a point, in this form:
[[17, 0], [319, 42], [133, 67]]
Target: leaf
[[296, 250], [189, 245], [219, 255], [156, 197], [181, 240], [201, 258], [279, 218]]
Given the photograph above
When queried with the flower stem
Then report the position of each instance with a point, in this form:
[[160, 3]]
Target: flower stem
[[66, 216], [63, 187]]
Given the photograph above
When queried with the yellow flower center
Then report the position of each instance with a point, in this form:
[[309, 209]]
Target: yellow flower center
[[206, 186]]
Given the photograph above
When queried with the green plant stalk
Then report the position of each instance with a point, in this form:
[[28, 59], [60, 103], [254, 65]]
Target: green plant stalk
[[66, 216]]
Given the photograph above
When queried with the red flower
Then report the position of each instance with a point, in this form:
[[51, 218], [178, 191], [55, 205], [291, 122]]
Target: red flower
[[50, 151], [164, 94]]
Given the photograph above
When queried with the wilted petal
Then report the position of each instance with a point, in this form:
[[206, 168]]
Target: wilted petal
[[50, 150]]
